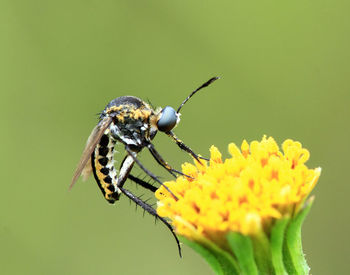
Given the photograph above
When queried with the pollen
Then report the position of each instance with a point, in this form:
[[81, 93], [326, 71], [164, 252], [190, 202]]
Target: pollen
[[245, 193], [141, 114]]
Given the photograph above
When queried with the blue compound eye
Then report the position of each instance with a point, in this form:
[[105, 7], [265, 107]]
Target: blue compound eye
[[168, 119]]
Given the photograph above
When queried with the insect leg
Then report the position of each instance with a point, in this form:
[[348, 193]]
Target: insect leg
[[149, 173], [184, 147], [143, 183], [124, 167], [124, 170], [152, 211], [162, 162]]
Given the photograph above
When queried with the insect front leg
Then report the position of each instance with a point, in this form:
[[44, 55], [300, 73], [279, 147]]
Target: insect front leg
[[162, 162], [184, 147]]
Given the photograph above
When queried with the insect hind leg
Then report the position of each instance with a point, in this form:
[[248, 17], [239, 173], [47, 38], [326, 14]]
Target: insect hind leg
[[143, 183], [132, 154], [124, 173], [151, 211]]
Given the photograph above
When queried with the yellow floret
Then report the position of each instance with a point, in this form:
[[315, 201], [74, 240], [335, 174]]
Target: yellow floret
[[245, 193]]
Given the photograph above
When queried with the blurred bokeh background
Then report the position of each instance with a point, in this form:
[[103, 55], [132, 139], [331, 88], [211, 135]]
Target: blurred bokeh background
[[285, 73]]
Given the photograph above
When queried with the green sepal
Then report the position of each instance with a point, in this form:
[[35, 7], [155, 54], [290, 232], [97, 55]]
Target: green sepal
[[222, 262], [242, 248], [276, 246], [280, 254], [293, 255], [262, 253]]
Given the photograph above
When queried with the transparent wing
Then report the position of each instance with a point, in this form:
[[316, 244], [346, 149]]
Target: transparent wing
[[84, 166]]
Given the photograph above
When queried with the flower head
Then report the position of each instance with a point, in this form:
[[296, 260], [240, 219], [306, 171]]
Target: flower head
[[246, 193]]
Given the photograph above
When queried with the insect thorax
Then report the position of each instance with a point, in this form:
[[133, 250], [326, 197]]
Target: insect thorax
[[131, 121]]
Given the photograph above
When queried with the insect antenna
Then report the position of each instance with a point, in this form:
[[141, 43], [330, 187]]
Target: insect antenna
[[211, 80]]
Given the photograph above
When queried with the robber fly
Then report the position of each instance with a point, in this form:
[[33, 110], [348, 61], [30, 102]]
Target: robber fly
[[132, 122]]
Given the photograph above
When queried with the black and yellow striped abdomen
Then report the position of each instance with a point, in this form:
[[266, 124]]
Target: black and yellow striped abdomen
[[102, 162]]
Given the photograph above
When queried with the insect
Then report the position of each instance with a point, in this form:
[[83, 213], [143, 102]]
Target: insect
[[132, 122]]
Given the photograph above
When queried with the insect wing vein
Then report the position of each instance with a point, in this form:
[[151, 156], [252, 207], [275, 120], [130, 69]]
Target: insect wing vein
[[93, 139]]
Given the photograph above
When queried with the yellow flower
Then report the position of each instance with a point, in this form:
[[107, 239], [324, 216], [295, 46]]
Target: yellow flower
[[246, 193]]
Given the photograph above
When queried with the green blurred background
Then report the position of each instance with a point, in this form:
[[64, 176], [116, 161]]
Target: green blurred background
[[285, 72]]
